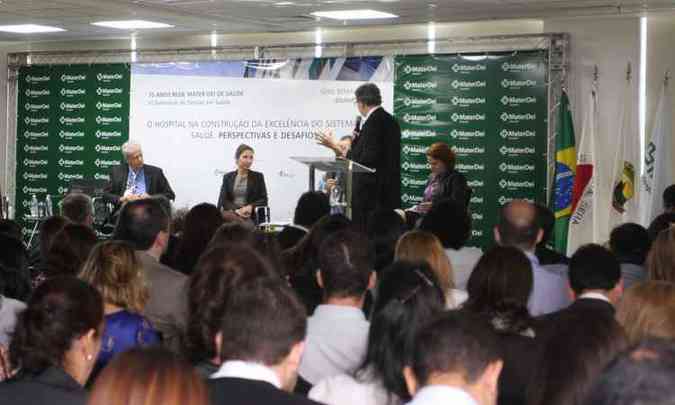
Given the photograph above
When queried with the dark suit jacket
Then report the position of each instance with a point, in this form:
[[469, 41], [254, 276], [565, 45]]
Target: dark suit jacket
[[155, 182], [256, 192], [54, 387], [378, 146], [589, 308], [452, 185], [239, 391]]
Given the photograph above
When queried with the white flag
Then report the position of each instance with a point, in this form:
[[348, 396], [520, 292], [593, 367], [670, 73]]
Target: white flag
[[624, 202], [583, 228], [658, 157]]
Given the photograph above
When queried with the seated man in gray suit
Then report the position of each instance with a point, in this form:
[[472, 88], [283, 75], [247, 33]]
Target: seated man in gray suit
[[145, 224], [518, 227]]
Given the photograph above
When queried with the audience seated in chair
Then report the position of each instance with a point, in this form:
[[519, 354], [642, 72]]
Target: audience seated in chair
[[311, 206], [630, 244], [661, 257], [648, 310]]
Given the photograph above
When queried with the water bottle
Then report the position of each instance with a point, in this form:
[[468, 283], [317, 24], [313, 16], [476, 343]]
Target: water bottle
[[49, 208], [34, 206]]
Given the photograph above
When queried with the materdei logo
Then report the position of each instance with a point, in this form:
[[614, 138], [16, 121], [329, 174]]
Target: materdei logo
[[419, 118], [103, 163], [108, 148], [459, 68], [413, 182], [517, 134], [468, 85], [417, 134], [108, 77], [416, 102], [518, 67], [516, 185], [414, 150], [514, 151], [70, 176], [464, 134], [414, 199], [412, 166], [516, 118], [108, 134], [37, 79], [516, 168], [428, 85], [412, 69]]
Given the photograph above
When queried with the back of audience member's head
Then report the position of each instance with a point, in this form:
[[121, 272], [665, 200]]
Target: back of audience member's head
[[450, 221], [149, 376], [307, 249], [267, 245], [643, 375], [661, 222], [661, 257], [408, 297], [593, 267], [344, 265], [573, 357], [312, 206], [500, 285], [457, 346], [518, 226], [69, 250], [630, 242], [219, 271], [201, 223], [265, 322], [424, 246], [669, 198], [12, 228], [60, 312], [232, 232], [546, 221], [77, 208], [384, 227], [178, 220], [141, 222], [115, 271], [648, 309], [14, 278], [49, 228]]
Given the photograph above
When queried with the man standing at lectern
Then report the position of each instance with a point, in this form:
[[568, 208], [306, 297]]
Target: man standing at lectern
[[377, 145]]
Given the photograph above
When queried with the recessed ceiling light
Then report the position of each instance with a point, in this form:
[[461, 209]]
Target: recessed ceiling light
[[131, 24], [353, 15], [284, 3], [29, 29]]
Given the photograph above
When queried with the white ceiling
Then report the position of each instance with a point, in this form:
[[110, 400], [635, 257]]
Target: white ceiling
[[240, 16]]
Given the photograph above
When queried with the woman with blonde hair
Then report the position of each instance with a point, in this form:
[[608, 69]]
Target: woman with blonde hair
[[648, 310], [113, 269], [661, 257], [424, 246], [149, 376]]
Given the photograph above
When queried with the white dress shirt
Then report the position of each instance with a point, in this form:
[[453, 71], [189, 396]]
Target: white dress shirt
[[337, 337], [595, 296], [345, 389], [442, 394], [9, 310], [247, 370]]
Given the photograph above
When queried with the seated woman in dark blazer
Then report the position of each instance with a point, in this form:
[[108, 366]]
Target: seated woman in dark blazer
[[55, 344], [444, 182], [243, 189]]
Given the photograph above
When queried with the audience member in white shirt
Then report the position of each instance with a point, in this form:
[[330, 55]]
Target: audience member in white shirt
[[409, 295], [337, 332], [456, 361]]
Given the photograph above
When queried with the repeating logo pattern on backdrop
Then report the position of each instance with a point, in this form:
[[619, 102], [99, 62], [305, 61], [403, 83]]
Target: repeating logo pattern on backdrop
[[71, 127], [492, 111]]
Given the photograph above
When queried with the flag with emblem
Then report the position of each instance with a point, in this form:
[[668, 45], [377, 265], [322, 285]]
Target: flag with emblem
[[583, 222], [658, 157], [565, 170], [624, 207]]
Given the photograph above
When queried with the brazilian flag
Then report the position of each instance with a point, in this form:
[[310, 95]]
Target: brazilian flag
[[565, 170]]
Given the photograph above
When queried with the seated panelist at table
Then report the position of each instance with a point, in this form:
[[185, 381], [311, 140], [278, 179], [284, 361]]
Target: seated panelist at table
[[243, 189], [134, 179]]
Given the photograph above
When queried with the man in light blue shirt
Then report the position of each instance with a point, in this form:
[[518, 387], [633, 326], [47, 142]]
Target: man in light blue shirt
[[518, 227]]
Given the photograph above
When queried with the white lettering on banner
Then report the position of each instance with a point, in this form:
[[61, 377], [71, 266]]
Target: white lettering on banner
[[62, 190], [515, 84], [35, 148], [503, 200], [417, 134], [34, 190], [477, 200], [517, 101], [414, 199], [70, 163], [512, 184], [108, 120], [476, 183], [72, 120], [518, 67], [70, 148], [36, 121], [415, 166], [37, 93], [108, 134], [477, 216], [71, 134], [415, 102], [461, 117], [516, 168], [107, 77], [467, 101], [72, 106], [108, 106], [410, 69], [108, 148], [474, 167], [466, 85], [473, 150], [510, 150], [73, 92], [37, 79], [464, 134], [513, 117], [412, 182], [35, 135], [476, 233], [35, 162], [457, 68], [420, 85], [101, 176], [70, 176], [414, 149], [419, 118], [106, 163], [104, 91], [517, 134], [73, 78], [36, 107], [35, 176]]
